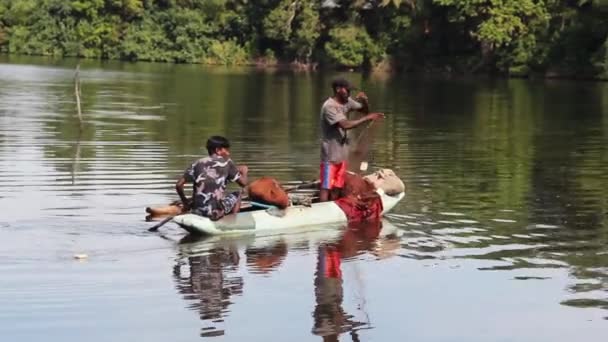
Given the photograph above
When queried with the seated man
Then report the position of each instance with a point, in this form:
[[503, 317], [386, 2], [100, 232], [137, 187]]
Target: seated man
[[209, 176]]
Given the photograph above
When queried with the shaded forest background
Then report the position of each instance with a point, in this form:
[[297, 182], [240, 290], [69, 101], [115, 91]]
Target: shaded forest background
[[567, 38]]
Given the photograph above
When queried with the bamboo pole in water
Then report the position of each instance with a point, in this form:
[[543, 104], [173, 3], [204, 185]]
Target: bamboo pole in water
[[76, 159], [77, 94]]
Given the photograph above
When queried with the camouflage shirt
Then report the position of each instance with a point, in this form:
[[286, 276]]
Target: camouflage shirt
[[209, 176]]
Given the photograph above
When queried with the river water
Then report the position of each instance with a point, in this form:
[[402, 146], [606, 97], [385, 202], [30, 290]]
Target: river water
[[502, 235]]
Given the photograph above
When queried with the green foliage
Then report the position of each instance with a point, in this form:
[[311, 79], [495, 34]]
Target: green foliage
[[509, 36], [277, 24], [294, 28], [188, 31], [226, 53], [505, 27], [601, 60], [146, 41], [269, 57], [351, 46], [86, 8], [128, 9], [307, 31]]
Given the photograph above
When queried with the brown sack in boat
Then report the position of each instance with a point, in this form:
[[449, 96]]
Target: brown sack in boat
[[267, 190], [386, 180]]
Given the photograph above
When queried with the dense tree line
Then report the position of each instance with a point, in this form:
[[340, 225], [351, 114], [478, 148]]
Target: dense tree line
[[518, 37]]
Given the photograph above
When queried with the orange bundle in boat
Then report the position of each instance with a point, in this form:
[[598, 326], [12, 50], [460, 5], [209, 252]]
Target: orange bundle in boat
[[267, 190]]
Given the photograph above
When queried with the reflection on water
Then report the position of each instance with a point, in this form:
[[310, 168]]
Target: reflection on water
[[330, 319], [505, 185], [263, 260], [209, 282], [207, 271]]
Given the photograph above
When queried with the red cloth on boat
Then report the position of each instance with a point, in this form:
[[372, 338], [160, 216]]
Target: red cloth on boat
[[361, 207], [361, 202]]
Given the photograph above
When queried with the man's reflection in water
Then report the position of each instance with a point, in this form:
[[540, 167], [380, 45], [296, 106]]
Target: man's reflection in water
[[330, 319], [210, 284]]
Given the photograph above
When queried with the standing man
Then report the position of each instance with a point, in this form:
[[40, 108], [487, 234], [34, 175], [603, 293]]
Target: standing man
[[334, 139]]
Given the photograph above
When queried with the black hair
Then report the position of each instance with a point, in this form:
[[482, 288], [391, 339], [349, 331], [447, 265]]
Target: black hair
[[340, 82], [216, 142]]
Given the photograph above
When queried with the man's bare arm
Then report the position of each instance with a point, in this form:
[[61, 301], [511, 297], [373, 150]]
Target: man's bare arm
[[243, 180], [179, 188], [348, 124]]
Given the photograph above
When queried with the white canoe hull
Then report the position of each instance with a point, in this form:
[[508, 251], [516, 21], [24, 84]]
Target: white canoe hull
[[266, 220]]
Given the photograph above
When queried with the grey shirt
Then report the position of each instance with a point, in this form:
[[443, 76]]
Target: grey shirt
[[334, 142]]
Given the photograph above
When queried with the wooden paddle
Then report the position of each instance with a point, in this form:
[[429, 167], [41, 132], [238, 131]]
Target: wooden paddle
[[160, 224]]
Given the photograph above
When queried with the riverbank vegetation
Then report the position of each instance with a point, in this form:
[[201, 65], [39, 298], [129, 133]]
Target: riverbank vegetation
[[515, 37]]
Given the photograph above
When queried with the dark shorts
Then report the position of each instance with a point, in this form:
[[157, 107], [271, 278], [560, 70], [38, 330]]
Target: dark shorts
[[216, 209]]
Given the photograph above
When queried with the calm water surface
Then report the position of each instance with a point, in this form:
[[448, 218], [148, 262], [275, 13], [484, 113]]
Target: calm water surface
[[502, 236]]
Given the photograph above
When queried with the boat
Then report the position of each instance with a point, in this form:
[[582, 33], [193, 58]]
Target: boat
[[267, 219]]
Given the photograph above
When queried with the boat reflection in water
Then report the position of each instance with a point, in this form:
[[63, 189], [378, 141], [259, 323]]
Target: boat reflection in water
[[208, 271]]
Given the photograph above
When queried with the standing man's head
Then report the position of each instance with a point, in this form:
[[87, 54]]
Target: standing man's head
[[218, 145], [341, 88]]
